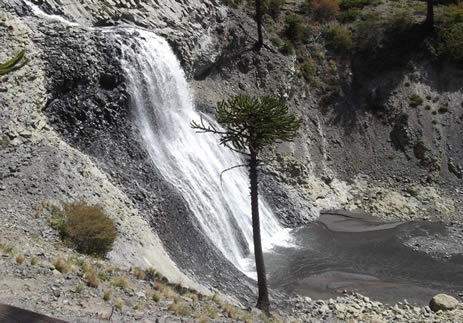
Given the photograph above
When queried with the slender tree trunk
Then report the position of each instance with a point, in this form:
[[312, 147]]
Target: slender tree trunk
[[429, 23], [263, 302], [260, 40]]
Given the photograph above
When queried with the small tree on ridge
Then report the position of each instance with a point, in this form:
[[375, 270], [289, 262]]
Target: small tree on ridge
[[251, 124]]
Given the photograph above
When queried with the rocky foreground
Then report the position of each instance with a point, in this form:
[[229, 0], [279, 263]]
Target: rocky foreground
[[41, 274]]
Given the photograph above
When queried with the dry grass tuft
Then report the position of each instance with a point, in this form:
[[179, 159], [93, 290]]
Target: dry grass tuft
[[107, 295], [192, 296], [120, 304], [91, 278], [34, 261], [20, 259], [61, 265], [156, 296], [231, 311], [139, 273], [121, 282], [180, 309], [211, 311]]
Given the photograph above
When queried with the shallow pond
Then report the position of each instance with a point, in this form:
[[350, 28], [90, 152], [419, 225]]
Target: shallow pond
[[341, 252]]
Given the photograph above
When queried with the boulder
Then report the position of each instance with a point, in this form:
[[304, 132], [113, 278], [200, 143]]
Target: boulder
[[443, 302]]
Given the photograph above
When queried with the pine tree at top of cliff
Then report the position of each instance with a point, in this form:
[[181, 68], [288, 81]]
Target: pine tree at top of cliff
[[251, 124]]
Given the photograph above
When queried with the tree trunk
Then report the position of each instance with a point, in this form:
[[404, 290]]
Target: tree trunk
[[263, 302], [429, 23], [260, 40]]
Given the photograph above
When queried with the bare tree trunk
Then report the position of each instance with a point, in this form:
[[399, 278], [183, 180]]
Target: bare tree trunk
[[429, 23], [263, 302], [260, 40]]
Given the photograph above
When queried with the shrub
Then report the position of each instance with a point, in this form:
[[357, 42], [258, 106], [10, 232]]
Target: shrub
[[400, 21], [34, 261], [369, 34], [295, 29], [85, 226], [325, 10], [443, 109], [349, 15], [102, 276], [156, 296], [415, 100], [339, 38], [273, 7], [427, 107], [308, 70], [120, 304], [211, 311], [359, 4], [452, 41], [287, 47]]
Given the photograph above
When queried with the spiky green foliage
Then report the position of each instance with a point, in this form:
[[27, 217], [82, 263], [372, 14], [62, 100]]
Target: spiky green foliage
[[252, 122], [14, 63]]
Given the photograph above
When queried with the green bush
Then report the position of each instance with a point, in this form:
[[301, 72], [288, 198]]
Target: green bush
[[287, 47], [369, 34], [309, 70], [339, 38], [273, 8], [295, 29], [400, 21], [359, 4], [415, 100], [349, 15], [452, 41], [85, 227]]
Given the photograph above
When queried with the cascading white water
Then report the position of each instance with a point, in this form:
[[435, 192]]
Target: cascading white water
[[192, 162]]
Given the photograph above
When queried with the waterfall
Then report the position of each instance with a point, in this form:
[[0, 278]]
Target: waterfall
[[192, 162]]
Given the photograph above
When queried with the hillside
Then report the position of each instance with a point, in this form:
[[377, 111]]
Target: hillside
[[379, 94]]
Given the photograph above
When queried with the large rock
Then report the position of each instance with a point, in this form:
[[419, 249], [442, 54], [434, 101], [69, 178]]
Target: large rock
[[443, 302]]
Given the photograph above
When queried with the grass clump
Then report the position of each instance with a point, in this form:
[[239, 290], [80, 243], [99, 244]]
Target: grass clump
[[20, 259], [180, 309], [192, 296], [4, 142], [34, 261], [139, 273], [102, 276], [120, 304], [211, 311], [92, 280], [79, 288], [415, 100], [61, 265], [107, 295], [443, 109], [156, 296], [121, 282], [85, 227]]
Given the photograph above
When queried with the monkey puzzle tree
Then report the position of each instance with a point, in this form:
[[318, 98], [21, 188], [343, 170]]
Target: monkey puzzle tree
[[250, 124]]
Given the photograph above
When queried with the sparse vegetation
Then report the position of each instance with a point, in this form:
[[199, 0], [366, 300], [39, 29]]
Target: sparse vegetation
[[107, 295], [415, 100], [325, 10], [79, 288], [34, 261], [139, 273], [339, 38], [4, 142], [120, 304], [156, 296], [309, 70], [91, 278], [211, 311], [61, 265], [121, 282], [20, 259], [295, 30], [180, 309]]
